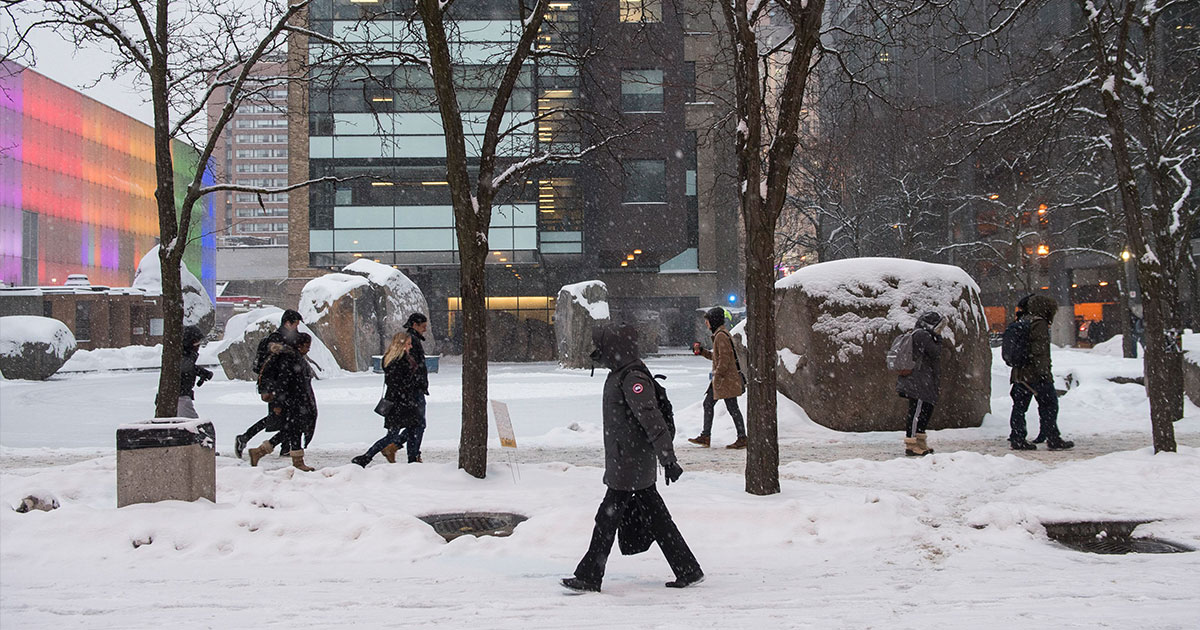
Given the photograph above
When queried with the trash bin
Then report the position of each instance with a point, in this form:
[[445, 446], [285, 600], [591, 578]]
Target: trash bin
[[431, 362], [377, 363], [166, 459]]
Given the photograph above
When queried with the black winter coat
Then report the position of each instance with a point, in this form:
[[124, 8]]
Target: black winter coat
[[1040, 312], [287, 375], [417, 352], [188, 370], [636, 437], [926, 377], [403, 389]]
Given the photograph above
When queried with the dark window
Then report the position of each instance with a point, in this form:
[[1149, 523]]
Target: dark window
[[642, 90], [83, 321], [29, 248], [645, 181]]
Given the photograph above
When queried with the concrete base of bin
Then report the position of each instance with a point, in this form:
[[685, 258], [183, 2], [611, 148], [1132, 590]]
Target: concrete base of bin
[[180, 473]]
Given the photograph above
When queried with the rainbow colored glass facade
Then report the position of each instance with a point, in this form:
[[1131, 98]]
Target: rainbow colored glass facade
[[77, 188]]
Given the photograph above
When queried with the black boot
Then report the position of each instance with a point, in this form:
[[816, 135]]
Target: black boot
[[580, 586], [1059, 444], [1021, 444], [361, 460], [239, 445], [685, 582]]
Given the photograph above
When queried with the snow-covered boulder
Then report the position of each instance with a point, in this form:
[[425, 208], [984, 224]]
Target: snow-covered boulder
[[580, 306], [835, 322], [1191, 367], [244, 331], [357, 312], [197, 305], [33, 347]]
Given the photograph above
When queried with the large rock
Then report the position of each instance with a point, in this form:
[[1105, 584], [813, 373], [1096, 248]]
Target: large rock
[[1191, 367], [835, 322], [33, 347], [580, 306], [243, 332], [197, 305], [356, 313]]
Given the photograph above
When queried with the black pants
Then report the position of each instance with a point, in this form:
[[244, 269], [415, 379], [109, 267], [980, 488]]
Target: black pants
[[919, 412], [734, 412], [269, 422], [1047, 402], [608, 519]]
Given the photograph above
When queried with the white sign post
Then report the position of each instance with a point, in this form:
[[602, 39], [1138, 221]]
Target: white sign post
[[508, 438]]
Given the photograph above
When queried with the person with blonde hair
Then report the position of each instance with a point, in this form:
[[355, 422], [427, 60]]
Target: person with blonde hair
[[399, 404]]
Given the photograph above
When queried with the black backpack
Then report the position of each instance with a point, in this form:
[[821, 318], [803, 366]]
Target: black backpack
[[660, 396], [1015, 348]]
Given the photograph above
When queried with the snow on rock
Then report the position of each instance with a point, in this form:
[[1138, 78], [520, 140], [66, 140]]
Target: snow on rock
[[838, 320], [33, 347], [105, 359], [244, 331], [357, 312], [790, 359], [580, 306], [197, 305]]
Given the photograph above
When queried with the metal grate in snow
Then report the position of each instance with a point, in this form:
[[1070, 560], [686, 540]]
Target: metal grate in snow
[[1108, 537], [453, 525]]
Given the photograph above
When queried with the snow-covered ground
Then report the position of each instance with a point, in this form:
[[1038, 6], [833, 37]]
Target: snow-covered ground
[[949, 540]]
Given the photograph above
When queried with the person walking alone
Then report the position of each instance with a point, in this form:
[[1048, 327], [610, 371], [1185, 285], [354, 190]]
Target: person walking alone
[[399, 377], [1035, 380], [190, 374], [920, 386], [636, 440], [289, 329], [727, 383]]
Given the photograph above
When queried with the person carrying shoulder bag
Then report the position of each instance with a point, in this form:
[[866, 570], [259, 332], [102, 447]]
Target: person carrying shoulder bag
[[727, 380]]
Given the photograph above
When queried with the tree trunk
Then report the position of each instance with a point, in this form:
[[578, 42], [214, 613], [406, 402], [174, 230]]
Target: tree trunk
[[166, 403], [762, 451], [472, 449], [1163, 366]]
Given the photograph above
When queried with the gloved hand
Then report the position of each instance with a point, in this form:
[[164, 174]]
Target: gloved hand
[[696, 347], [205, 375], [673, 472]]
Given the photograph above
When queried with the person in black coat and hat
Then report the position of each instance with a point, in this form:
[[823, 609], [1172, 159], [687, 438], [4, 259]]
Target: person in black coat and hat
[[287, 379], [636, 440], [286, 334], [190, 374], [920, 386]]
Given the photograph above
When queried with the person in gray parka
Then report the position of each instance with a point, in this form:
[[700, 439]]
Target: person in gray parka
[[920, 386], [636, 440]]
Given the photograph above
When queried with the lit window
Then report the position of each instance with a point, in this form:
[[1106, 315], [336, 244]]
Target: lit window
[[640, 10], [642, 90]]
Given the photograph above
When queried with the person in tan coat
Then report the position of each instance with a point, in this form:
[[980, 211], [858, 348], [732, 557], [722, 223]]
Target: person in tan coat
[[727, 383]]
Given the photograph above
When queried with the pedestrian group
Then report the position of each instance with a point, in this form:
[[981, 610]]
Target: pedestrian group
[[639, 428]]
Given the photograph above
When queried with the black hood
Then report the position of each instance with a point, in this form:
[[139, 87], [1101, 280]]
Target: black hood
[[191, 336], [1042, 306], [616, 345], [929, 320]]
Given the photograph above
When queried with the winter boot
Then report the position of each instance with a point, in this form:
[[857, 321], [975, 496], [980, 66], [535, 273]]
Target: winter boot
[[738, 444], [580, 586], [924, 446], [298, 460], [389, 452], [1059, 444], [361, 460], [702, 440], [685, 582], [239, 445], [260, 451], [912, 448], [415, 460], [1021, 444]]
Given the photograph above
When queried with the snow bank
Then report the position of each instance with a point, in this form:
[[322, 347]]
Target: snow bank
[[598, 310], [104, 359], [197, 305], [18, 330]]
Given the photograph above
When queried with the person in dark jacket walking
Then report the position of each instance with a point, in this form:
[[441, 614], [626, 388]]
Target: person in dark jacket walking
[[289, 329], [920, 386], [1034, 379], [190, 374], [726, 382], [417, 325], [399, 372], [287, 379], [636, 440]]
